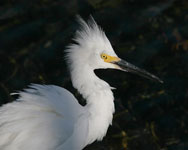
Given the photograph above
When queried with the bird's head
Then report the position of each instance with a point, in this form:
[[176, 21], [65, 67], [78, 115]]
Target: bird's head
[[92, 48]]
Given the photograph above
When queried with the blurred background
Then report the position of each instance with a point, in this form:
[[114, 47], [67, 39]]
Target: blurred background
[[152, 34]]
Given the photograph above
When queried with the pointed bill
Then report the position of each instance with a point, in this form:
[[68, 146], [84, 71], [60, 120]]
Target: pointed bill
[[125, 66]]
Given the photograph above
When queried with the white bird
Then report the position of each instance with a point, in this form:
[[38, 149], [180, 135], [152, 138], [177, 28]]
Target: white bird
[[48, 117]]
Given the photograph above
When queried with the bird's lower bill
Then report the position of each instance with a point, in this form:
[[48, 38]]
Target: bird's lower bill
[[125, 66]]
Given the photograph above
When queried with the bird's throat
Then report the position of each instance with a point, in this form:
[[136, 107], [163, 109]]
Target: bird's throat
[[99, 102]]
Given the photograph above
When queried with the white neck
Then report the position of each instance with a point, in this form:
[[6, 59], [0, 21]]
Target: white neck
[[99, 98]]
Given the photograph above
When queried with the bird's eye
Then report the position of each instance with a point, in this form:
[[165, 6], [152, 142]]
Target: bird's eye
[[104, 56]]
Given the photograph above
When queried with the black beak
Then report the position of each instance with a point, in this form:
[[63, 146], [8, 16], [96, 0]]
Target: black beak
[[125, 66]]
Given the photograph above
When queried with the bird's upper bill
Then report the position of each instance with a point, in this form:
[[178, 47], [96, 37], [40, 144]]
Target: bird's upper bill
[[125, 66]]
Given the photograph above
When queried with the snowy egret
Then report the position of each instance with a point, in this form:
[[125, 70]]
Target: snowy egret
[[48, 117]]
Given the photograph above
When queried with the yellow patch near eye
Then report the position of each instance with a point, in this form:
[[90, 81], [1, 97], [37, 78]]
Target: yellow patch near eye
[[108, 58]]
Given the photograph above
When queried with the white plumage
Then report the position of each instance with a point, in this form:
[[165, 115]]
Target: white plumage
[[48, 117]]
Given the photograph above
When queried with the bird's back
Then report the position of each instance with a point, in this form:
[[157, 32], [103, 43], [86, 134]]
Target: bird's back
[[43, 118]]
